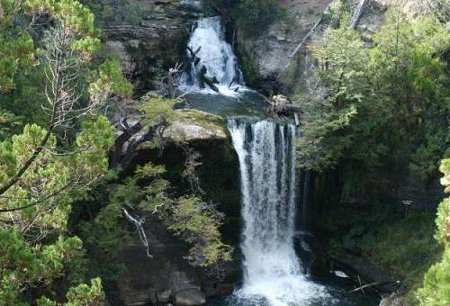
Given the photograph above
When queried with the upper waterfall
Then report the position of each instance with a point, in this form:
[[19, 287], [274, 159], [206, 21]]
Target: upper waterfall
[[213, 65], [266, 152]]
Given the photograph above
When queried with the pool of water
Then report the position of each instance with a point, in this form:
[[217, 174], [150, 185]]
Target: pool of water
[[337, 293], [248, 103]]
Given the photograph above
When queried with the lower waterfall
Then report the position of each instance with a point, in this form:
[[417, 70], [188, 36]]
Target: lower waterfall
[[272, 271]]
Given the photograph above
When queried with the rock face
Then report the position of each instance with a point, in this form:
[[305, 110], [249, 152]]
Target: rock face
[[272, 49], [152, 42], [275, 55], [191, 126], [189, 297], [167, 277], [155, 280]]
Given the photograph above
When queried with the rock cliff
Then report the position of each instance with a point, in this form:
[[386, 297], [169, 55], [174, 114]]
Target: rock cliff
[[152, 41]]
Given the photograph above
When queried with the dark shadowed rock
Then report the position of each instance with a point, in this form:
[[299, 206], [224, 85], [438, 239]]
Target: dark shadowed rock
[[153, 280], [164, 296]]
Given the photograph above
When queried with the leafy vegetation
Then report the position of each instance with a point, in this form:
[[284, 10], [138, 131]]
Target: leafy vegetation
[[384, 105], [52, 90], [54, 144], [435, 290], [383, 108], [403, 245]]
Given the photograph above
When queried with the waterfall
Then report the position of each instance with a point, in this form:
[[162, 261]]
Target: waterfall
[[213, 65], [272, 271]]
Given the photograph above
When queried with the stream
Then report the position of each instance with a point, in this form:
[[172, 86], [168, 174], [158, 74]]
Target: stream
[[273, 273]]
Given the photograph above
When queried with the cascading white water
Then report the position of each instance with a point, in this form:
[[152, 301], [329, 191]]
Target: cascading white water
[[266, 152], [208, 49]]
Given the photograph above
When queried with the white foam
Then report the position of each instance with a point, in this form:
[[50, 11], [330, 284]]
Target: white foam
[[216, 55], [272, 271]]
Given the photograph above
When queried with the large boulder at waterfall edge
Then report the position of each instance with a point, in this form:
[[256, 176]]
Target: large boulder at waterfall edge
[[189, 297]]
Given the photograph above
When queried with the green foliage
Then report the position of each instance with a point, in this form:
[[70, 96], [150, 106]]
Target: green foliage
[[85, 295], [47, 190], [198, 223], [70, 14], [189, 217], [403, 246], [436, 284], [16, 46], [443, 213], [47, 161], [383, 104], [52, 178], [108, 78], [25, 265], [407, 247], [81, 295], [436, 289], [9, 124], [159, 111], [118, 12]]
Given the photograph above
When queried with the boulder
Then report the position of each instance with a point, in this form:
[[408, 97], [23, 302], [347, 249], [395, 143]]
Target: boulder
[[189, 297], [191, 131], [218, 289], [133, 296], [164, 296]]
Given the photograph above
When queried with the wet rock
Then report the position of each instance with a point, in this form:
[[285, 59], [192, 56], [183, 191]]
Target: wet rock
[[281, 104], [164, 296], [189, 297], [366, 270], [218, 289], [152, 295]]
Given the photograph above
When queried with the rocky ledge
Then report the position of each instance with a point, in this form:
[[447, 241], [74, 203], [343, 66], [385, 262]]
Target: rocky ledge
[[191, 126]]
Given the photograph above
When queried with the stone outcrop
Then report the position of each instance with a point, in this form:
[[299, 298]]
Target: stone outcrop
[[280, 53], [155, 42], [158, 280], [191, 126], [189, 297], [167, 278], [271, 51], [192, 131], [281, 104]]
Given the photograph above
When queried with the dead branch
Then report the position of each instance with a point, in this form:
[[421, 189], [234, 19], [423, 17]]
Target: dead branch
[[138, 223]]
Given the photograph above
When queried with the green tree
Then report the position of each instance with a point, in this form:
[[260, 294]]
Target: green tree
[[436, 284], [383, 104], [52, 164], [146, 192]]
